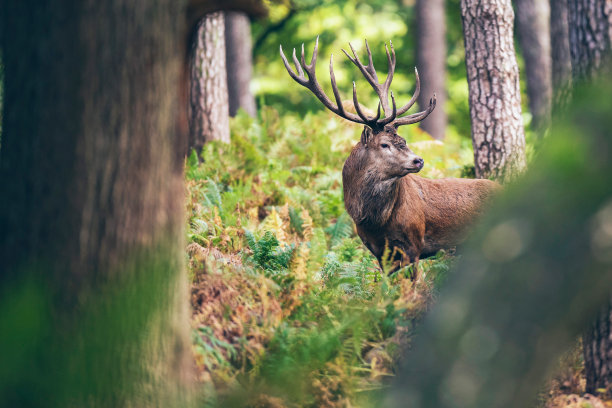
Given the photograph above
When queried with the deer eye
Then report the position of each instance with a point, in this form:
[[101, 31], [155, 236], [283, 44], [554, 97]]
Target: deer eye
[[384, 146]]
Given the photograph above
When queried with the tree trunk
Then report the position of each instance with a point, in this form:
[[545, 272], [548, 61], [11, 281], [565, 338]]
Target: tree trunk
[[495, 100], [590, 22], [431, 62], [598, 353], [209, 111], [91, 204], [533, 28], [590, 33], [239, 62], [560, 51]]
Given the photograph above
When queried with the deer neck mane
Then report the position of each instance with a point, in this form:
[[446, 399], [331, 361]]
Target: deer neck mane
[[368, 199]]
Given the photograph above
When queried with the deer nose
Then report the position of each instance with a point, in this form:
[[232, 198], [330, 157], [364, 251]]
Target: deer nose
[[418, 162]]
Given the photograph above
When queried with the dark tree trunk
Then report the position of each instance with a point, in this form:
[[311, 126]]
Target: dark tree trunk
[[533, 28], [598, 353], [560, 51], [239, 62], [209, 111], [495, 101], [590, 22], [590, 33], [91, 209], [431, 62]]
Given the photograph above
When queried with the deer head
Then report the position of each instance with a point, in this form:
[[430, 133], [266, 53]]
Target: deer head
[[381, 147]]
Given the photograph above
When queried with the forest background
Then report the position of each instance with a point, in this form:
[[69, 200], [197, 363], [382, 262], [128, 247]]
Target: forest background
[[289, 309]]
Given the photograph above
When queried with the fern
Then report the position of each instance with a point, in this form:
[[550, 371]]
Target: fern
[[213, 194], [343, 228]]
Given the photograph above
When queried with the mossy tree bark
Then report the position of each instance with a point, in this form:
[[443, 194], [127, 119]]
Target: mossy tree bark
[[209, 110], [495, 101], [533, 31], [239, 63], [91, 209], [431, 62], [590, 28]]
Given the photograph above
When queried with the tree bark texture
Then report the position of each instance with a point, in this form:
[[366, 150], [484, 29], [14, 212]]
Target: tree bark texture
[[239, 63], [590, 31], [91, 200], [598, 353], [431, 62], [560, 51], [209, 111], [533, 29], [495, 101]]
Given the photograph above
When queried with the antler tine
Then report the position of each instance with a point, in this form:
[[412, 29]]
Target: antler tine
[[391, 63], [370, 66], [367, 121], [369, 72], [391, 118], [315, 53], [332, 77], [416, 117], [299, 79], [355, 60], [298, 66], [416, 94], [313, 85]]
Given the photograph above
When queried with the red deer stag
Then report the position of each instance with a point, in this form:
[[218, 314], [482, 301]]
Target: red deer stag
[[414, 216]]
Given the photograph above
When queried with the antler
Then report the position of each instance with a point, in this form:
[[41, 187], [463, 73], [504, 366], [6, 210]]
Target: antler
[[369, 72], [312, 83]]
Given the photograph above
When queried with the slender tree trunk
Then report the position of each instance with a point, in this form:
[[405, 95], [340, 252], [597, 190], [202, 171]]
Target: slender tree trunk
[[209, 111], [91, 209], [239, 62], [533, 28], [560, 51], [431, 62], [590, 33], [495, 101]]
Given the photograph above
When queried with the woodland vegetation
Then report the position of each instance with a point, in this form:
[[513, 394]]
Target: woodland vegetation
[[172, 222]]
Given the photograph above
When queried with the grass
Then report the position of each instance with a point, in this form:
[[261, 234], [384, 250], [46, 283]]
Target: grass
[[289, 308]]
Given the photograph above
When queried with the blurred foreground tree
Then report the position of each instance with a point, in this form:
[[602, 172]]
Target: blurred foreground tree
[[530, 279], [93, 305], [431, 62], [495, 101], [590, 28], [93, 294], [533, 28], [560, 52], [239, 63], [209, 110]]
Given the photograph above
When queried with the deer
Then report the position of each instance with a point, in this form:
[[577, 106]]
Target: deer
[[394, 209]]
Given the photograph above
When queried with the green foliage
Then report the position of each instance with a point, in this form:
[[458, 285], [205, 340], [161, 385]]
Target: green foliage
[[337, 22], [296, 308]]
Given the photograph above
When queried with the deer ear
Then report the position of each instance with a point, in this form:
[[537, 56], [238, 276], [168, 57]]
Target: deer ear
[[366, 135]]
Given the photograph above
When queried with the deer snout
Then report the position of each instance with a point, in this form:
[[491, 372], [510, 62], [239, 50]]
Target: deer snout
[[415, 164]]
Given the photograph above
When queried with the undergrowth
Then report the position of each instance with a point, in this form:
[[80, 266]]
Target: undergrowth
[[289, 308]]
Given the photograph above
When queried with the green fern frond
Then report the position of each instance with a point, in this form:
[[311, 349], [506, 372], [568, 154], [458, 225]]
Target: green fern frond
[[343, 228]]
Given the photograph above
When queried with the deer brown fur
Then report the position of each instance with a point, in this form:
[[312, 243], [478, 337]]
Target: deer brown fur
[[413, 216]]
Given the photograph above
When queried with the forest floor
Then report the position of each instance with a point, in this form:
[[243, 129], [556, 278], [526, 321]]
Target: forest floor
[[289, 308]]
